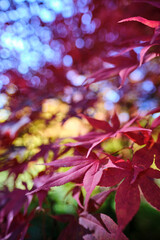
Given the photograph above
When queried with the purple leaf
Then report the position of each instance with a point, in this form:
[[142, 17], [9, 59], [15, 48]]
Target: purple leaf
[[97, 200], [154, 110], [98, 124], [155, 123], [149, 23], [101, 226], [150, 191], [111, 177], [127, 202], [64, 177], [115, 121], [68, 161], [91, 180], [143, 158], [102, 75], [124, 73], [153, 173], [143, 52]]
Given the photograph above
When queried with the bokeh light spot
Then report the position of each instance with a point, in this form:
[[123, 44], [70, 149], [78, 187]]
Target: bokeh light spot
[[86, 18], [56, 5], [67, 61], [4, 80], [4, 5], [137, 75], [123, 117], [3, 100], [79, 43], [47, 15], [112, 96], [148, 86]]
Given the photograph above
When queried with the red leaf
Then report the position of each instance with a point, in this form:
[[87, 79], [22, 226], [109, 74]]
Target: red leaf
[[127, 202], [106, 136], [134, 129], [129, 123], [87, 139], [115, 121], [91, 180], [156, 153], [78, 196], [111, 177], [154, 110], [102, 75], [88, 221], [96, 201], [41, 196], [137, 134], [149, 23], [98, 124], [101, 226], [143, 158], [80, 150], [121, 60], [125, 72], [68, 161], [143, 52], [88, 170], [153, 173], [64, 177], [112, 226], [10, 207], [142, 137], [150, 191], [155, 123]]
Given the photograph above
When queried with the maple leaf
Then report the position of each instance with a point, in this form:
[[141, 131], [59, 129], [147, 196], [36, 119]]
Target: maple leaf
[[124, 73], [9, 130], [18, 228], [142, 175], [154, 110], [102, 74], [144, 51], [91, 180], [10, 209], [13, 166], [94, 202], [150, 191], [101, 226], [127, 202], [90, 227], [155, 150], [150, 23], [87, 171], [137, 134], [112, 177], [123, 66], [97, 200], [155, 123]]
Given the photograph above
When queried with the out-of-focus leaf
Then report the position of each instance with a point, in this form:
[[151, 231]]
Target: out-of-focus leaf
[[149, 23]]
